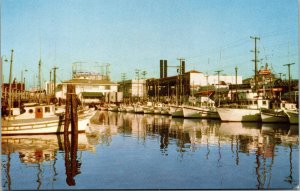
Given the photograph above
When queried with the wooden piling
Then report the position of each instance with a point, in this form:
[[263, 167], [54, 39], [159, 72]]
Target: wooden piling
[[71, 163]]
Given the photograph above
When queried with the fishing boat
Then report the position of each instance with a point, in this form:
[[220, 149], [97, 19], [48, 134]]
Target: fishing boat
[[277, 112], [204, 109], [176, 111], [293, 116], [149, 108], [113, 107], [41, 119], [274, 116], [248, 110]]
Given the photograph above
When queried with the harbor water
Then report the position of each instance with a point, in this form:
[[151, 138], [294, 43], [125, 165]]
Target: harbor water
[[139, 151]]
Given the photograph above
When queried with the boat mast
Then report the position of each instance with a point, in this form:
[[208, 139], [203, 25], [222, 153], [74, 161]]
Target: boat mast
[[10, 85], [289, 70], [255, 60], [236, 95]]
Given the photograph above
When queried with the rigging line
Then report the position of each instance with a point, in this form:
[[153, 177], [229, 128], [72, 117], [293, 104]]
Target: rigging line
[[275, 33], [215, 49]]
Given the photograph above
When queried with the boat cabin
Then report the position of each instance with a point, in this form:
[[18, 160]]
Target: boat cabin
[[33, 111]]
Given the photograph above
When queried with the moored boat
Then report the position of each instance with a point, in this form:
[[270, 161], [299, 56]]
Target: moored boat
[[42, 119], [277, 114], [239, 114], [247, 110], [273, 116], [293, 116], [176, 111], [113, 107]]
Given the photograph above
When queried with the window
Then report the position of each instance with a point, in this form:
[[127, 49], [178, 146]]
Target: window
[[47, 109], [30, 111], [107, 87], [255, 102], [264, 102]]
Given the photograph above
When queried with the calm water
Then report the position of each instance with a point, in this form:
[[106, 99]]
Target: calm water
[[146, 151]]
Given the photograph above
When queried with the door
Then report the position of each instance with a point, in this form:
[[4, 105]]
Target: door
[[38, 112]]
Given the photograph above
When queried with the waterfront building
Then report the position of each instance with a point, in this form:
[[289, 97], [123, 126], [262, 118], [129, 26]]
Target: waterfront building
[[133, 88], [187, 84], [90, 87]]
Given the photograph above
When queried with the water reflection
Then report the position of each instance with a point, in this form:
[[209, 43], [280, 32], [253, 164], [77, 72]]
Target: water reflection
[[265, 155], [40, 152], [189, 135]]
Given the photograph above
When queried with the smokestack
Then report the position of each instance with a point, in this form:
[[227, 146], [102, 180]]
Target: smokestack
[[182, 67], [161, 68], [165, 69]]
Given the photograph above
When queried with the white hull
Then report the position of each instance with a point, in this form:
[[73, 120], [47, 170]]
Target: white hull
[[274, 117], [293, 116], [43, 125], [148, 110], [239, 114], [191, 112], [139, 110], [176, 111], [129, 109], [198, 112]]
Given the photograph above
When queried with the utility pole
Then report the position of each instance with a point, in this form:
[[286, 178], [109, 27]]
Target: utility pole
[[181, 72], [123, 77], [54, 80], [107, 71], [218, 71], [289, 70], [10, 87], [279, 75], [255, 60], [137, 73], [50, 83], [144, 73]]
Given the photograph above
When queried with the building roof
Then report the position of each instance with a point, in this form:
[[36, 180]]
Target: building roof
[[193, 71], [89, 81]]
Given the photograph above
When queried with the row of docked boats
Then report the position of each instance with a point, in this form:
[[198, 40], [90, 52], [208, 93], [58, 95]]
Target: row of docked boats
[[256, 110]]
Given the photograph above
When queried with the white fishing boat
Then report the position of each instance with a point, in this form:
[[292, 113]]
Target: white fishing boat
[[121, 108], [191, 111], [274, 116], [129, 109], [149, 108], [239, 114], [248, 110], [157, 110], [138, 109], [165, 111], [277, 114], [205, 108], [176, 111], [41, 119], [113, 107], [293, 116]]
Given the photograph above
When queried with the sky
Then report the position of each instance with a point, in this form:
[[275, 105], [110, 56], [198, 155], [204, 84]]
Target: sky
[[210, 35]]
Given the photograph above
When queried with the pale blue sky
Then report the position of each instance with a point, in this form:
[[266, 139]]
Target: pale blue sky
[[136, 34]]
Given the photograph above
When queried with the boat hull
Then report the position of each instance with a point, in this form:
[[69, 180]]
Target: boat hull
[[176, 111], [239, 114], [274, 117], [293, 116], [191, 112], [43, 126], [198, 112]]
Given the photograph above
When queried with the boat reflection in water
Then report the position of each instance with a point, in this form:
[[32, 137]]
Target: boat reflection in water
[[161, 152], [39, 153]]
